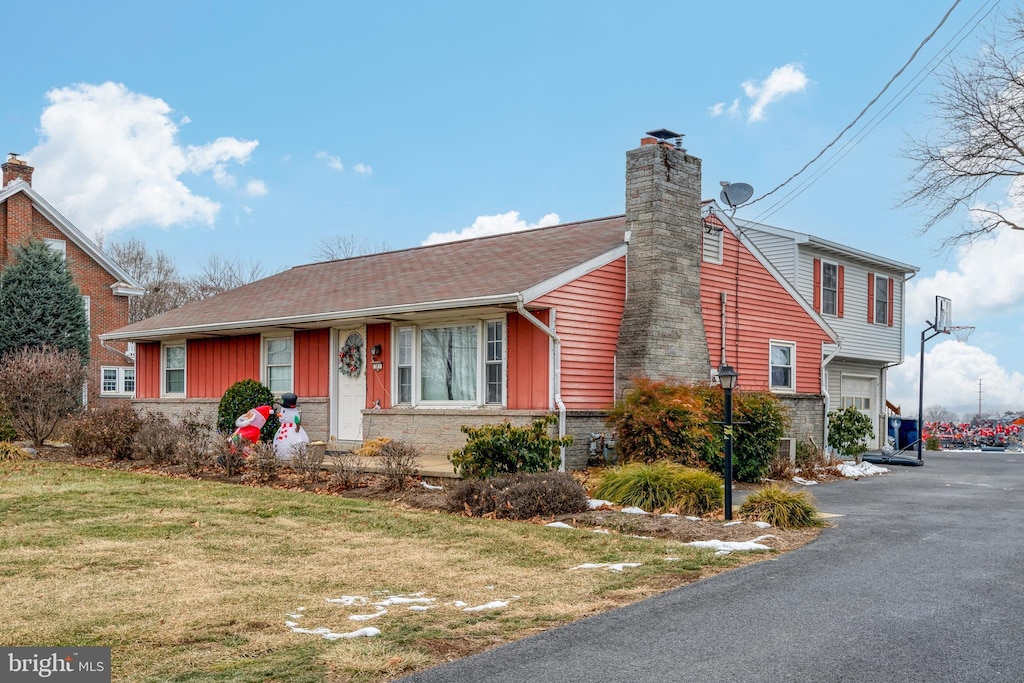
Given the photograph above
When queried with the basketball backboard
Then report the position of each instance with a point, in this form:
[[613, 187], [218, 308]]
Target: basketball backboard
[[943, 314]]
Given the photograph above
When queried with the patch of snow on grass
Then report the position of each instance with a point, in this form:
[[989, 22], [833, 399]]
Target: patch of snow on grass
[[864, 469], [635, 511]]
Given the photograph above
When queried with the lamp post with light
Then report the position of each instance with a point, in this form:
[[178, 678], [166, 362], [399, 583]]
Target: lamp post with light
[[727, 376]]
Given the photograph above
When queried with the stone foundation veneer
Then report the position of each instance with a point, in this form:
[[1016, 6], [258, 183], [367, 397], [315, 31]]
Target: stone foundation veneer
[[314, 412]]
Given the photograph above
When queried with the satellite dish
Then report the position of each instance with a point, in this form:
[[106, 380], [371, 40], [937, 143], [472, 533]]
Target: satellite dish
[[735, 194]]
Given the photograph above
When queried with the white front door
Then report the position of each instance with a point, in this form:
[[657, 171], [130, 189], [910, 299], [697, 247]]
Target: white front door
[[351, 383]]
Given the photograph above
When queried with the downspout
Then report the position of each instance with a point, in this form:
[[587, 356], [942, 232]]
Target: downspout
[[557, 372], [725, 302], [824, 386]]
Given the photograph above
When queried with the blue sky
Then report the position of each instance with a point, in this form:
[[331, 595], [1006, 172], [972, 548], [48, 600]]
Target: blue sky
[[253, 130]]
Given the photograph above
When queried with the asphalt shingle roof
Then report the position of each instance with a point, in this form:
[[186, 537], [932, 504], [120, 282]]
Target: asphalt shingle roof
[[454, 271]]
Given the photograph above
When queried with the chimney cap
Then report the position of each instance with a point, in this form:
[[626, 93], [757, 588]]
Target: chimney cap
[[665, 134], [13, 156]]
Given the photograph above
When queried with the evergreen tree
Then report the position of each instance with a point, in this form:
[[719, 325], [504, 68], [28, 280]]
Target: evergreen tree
[[40, 304]]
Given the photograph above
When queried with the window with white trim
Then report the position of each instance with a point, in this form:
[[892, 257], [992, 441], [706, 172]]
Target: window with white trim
[[457, 363], [59, 246], [174, 358], [829, 288], [783, 366], [277, 356], [881, 299], [117, 381], [404, 364], [495, 364]]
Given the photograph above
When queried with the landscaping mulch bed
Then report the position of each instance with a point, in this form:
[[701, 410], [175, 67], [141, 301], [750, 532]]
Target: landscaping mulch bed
[[417, 496]]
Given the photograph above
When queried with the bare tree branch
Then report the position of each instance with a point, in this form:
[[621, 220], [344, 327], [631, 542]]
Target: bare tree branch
[[345, 246], [978, 148]]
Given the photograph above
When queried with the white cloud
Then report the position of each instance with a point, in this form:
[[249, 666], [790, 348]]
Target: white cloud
[[784, 80], [362, 168], [333, 162], [951, 374], [109, 159], [978, 285], [256, 188], [491, 225]]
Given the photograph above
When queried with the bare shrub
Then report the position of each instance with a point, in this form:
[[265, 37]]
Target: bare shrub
[[519, 496], [346, 469], [104, 432], [41, 386], [780, 468], [195, 441], [226, 455], [157, 438], [811, 461], [263, 463], [398, 461], [307, 460]]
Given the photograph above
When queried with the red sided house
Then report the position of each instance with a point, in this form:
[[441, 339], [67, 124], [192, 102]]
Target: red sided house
[[412, 344], [105, 287]]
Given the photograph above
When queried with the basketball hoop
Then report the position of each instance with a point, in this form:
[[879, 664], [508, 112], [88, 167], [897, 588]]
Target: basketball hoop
[[961, 332]]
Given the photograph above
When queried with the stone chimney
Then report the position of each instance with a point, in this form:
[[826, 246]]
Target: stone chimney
[[662, 333], [16, 168]]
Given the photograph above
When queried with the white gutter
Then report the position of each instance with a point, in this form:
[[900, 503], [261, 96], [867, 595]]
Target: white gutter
[[557, 352], [327, 317], [824, 387]]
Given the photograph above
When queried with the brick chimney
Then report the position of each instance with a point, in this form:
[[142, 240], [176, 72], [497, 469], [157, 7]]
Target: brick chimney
[[662, 333], [16, 212], [16, 168]]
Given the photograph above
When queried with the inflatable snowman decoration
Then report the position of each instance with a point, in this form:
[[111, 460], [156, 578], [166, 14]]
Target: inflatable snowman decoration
[[290, 432], [247, 429]]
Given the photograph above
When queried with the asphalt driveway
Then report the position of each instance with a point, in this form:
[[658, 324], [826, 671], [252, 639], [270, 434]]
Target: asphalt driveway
[[922, 579]]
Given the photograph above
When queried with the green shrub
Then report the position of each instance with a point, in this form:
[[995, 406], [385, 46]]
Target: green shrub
[[7, 430], [847, 431], [519, 496], [932, 443], [662, 485], [157, 438], [105, 431], [240, 398], [503, 449], [781, 507], [761, 421], [398, 461], [660, 420]]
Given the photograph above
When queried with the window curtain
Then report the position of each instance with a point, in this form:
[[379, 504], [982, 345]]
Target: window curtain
[[449, 363]]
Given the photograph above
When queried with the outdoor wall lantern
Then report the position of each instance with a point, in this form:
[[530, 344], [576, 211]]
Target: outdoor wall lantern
[[728, 376]]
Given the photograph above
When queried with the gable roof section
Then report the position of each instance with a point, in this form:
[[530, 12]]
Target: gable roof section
[[830, 247], [719, 216], [131, 285], [487, 271]]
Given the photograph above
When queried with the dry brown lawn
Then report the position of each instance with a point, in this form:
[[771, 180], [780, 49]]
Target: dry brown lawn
[[191, 580]]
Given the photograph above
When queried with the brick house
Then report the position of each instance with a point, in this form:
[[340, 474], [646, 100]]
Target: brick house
[[412, 344], [105, 287]]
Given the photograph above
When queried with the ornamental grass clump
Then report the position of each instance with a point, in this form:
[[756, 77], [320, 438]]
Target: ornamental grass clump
[[662, 485], [781, 507]]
